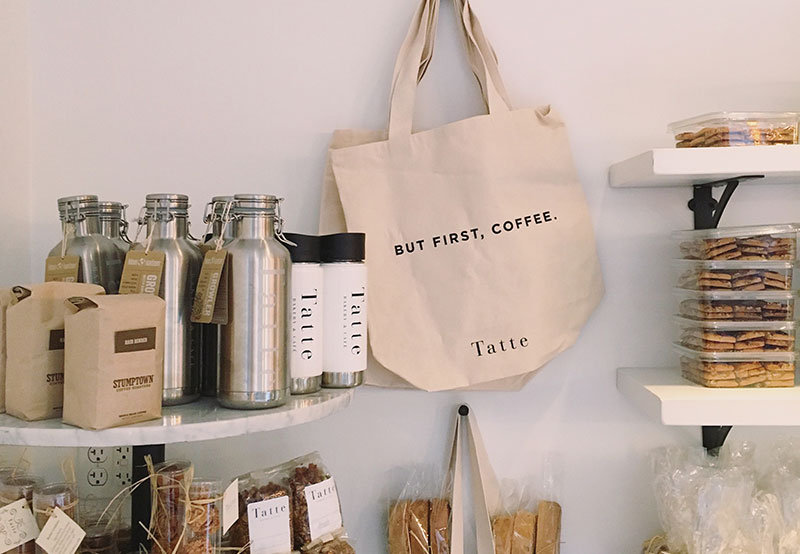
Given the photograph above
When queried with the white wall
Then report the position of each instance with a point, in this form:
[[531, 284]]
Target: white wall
[[15, 138], [221, 97]]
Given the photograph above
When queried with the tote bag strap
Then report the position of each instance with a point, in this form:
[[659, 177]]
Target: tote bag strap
[[415, 54], [485, 490]]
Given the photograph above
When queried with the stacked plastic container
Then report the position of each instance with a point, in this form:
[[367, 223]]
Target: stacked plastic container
[[736, 322]]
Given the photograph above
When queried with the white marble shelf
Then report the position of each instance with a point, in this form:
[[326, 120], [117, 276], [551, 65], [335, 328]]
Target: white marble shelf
[[198, 421], [678, 167], [667, 397]]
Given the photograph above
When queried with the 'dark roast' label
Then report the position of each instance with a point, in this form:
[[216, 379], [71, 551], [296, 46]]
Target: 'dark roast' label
[[142, 272], [64, 269], [135, 340], [56, 341]]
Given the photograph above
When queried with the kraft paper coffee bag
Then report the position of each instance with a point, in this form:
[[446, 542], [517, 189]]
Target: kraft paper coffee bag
[[5, 300], [35, 346], [114, 360]]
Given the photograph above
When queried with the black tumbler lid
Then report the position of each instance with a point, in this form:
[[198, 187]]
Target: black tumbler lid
[[343, 247], [307, 249]]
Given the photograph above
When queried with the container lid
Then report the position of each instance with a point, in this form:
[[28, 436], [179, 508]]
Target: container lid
[[172, 468], [174, 204], [255, 204], [71, 206], [307, 249], [728, 325], [734, 356], [736, 265], [720, 118], [111, 210], [743, 295], [725, 232], [343, 247], [218, 203]]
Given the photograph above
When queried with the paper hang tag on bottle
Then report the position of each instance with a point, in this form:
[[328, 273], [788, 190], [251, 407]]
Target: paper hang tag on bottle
[[17, 525], [66, 269], [211, 297], [230, 506], [142, 272], [60, 534]]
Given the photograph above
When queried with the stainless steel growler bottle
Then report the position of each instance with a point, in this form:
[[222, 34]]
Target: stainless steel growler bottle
[[114, 225], [166, 217], [100, 261], [215, 211], [255, 342]]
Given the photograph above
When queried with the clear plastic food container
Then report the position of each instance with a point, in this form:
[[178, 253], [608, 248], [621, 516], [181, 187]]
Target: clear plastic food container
[[756, 243], [736, 336], [733, 275], [736, 129], [737, 369], [736, 305]]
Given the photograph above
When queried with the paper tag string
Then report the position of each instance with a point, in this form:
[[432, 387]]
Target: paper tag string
[[279, 224], [226, 218]]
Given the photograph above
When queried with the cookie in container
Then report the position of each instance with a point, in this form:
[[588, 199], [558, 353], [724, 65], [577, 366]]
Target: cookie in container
[[751, 244], [736, 336], [720, 129], [734, 275], [737, 369]]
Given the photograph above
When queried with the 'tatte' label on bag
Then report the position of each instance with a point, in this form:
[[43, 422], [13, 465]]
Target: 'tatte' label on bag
[[142, 272], [211, 297], [324, 510], [135, 340], [268, 523], [64, 269], [60, 535], [17, 525]]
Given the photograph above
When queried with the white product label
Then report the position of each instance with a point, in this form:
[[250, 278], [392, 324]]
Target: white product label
[[324, 511], [345, 318], [230, 505], [60, 535], [307, 283], [17, 525], [268, 523]]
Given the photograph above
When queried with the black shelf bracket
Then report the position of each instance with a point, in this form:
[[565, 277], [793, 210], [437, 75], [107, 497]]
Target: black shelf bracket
[[707, 213], [707, 210]]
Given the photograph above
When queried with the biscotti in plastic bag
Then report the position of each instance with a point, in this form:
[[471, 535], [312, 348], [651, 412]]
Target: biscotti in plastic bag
[[419, 521]]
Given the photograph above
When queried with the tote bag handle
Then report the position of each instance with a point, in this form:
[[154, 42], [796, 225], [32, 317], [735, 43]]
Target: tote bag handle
[[485, 489], [415, 54]]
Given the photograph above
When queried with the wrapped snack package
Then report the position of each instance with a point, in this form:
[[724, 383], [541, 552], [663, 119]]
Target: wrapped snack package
[[419, 521], [316, 511], [259, 492]]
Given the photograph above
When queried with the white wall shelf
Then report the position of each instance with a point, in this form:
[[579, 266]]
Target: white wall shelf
[[677, 167], [665, 396], [201, 420]]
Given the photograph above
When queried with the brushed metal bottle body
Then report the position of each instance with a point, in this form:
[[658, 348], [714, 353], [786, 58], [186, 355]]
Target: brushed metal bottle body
[[255, 342], [166, 216], [100, 260], [114, 225], [212, 334]]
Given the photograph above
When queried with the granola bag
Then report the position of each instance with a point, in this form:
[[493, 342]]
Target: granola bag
[[114, 360], [35, 347], [316, 511], [5, 300], [265, 523]]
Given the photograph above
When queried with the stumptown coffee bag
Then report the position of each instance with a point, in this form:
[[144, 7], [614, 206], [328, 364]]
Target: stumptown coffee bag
[[114, 360], [35, 343], [5, 300]]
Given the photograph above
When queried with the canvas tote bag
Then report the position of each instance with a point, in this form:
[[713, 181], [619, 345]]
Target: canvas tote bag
[[481, 256]]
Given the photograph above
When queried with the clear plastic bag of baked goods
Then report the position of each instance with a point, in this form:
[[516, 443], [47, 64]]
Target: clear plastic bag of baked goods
[[265, 524], [529, 519], [316, 511], [419, 519]]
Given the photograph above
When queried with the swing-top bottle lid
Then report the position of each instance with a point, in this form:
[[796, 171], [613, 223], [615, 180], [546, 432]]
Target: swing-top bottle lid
[[307, 249], [71, 206], [110, 210], [343, 247], [167, 203]]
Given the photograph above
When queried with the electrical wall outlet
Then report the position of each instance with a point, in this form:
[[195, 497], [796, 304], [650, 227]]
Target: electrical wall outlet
[[102, 473]]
